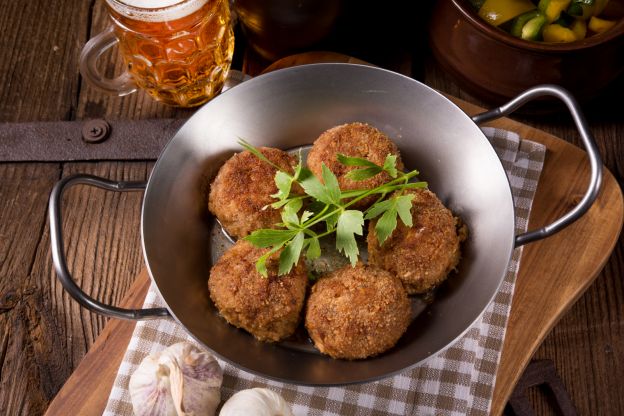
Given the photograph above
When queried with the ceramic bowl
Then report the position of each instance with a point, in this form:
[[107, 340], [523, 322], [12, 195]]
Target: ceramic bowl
[[495, 66]]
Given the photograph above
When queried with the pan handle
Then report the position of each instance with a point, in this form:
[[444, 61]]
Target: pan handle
[[58, 252], [595, 161]]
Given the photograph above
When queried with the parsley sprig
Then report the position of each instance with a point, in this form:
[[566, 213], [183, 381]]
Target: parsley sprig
[[299, 230]]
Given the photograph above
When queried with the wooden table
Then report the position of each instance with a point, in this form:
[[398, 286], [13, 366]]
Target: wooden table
[[44, 334]]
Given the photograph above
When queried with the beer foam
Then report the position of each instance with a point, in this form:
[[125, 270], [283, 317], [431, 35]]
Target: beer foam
[[156, 10]]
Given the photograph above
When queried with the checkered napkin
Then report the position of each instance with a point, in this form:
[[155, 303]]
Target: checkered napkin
[[456, 381]]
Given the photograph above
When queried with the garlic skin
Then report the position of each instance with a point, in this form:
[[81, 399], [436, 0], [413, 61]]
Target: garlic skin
[[256, 402], [181, 380]]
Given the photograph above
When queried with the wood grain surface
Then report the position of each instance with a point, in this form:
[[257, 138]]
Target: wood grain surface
[[44, 335], [101, 363]]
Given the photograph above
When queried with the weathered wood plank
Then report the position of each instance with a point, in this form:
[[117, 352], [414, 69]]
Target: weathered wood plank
[[39, 50], [101, 362], [44, 333], [103, 250], [24, 190], [587, 345]]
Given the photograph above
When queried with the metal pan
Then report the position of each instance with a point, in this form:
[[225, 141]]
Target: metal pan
[[290, 108]]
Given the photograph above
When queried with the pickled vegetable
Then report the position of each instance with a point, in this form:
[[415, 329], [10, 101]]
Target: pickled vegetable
[[553, 8], [579, 27], [586, 8], [548, 20], [497, 12], [557, 34], [519, 22], [575, 9], [599, 25], [532, 30]]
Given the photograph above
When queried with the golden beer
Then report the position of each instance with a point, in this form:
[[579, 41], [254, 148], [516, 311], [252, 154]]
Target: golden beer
[[178, 51]]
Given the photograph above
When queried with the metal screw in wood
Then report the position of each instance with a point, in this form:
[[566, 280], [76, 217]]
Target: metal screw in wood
[[96, 131]]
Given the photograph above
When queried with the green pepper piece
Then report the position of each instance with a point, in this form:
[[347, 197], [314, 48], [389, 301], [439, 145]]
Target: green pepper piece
[[520, 21], [532, 30], [575, 9]]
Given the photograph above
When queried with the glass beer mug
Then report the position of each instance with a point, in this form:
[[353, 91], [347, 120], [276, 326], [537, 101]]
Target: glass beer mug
[[179, 51]]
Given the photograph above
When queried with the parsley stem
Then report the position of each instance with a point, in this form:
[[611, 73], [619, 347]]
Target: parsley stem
[[412, 185], [324, 234], [385, 188], [314, 219]]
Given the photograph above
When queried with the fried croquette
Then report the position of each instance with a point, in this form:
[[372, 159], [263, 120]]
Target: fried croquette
[[242, 189], [357, 312], [422, 255], [267, 307], [355, 140]]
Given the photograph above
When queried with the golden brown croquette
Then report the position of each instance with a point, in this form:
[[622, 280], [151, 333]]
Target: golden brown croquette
[[357, 312], [355, 140], [422, 255], [267, 307], [242, 189]]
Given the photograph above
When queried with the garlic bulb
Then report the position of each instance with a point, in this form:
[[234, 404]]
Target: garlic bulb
[[256, 402], [180, 380]]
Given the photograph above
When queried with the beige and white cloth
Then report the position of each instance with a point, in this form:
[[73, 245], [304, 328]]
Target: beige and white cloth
[[457, 381]]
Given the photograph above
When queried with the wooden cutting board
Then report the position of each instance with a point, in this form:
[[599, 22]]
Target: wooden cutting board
[[553, 272]]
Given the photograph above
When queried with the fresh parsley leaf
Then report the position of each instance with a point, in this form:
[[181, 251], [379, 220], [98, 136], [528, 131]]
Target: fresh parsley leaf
[[261, 266], [332, 220], [313, 187], [299, 165], [331, 184], [257, 153], [314, 248], [349, 224], [279, 204], [378, 209], [290, 255], [370, 169], [267, 237], [390, 165], [354, 161], [397, 205], [306, 215], [362, 174], [386, 224], [404, 208], [283, 181], [261, 262], [289, 213]]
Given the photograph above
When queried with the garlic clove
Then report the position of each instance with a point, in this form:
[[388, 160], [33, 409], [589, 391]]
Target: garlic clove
[[180, 380], [256, 402], [149, 389]]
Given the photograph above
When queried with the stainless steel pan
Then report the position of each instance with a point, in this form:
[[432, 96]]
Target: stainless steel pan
[[290, 108]]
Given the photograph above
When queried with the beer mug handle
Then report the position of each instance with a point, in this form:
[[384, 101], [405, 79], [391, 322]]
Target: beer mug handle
[[93, 49]]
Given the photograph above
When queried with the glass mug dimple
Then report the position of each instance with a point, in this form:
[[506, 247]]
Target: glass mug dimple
[[179, 51]]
